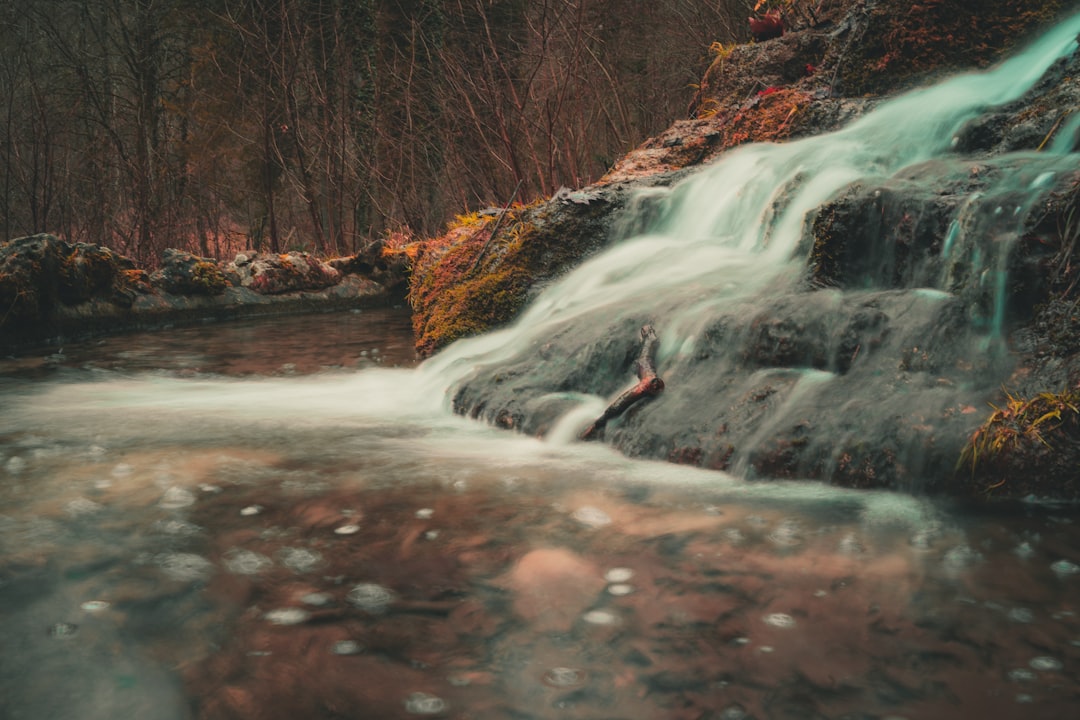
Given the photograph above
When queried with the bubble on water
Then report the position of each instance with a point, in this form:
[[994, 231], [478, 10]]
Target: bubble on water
[[63, 631], [15, 465], [287, 616], [371, 598], [618, 575], [780, 620], [186, 567], [1064, 568], [179, 528], [347, 530], [1024, 550], [850, 545], [786, 534], [734, 536], [317, 599], [251, 510], [177, 497], [1021, 615], [1021, 675], [425, 513], [424, 704], [734, 712], [246, 562], [563, 677], [600, 617], [1045, 663], [93, 606], [299, 560], [960, 557], [620, 589], [590, 516], [82, 506], [346, 647]]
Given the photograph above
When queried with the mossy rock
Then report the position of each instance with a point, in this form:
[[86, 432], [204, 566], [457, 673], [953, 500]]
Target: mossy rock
[[468, 281]]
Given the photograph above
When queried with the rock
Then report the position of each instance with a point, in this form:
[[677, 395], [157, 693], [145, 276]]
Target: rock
[[182, 273], [271, 274]]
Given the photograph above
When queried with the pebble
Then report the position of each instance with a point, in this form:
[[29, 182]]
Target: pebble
[[317, 599], [425, 513], [423, 704], [251, 510], [620, 589], [347, 530]]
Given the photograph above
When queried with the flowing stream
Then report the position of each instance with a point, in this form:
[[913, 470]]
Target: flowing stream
[[282, 519]]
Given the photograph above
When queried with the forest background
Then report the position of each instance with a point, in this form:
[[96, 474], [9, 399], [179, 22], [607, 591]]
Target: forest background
[[325, 125]]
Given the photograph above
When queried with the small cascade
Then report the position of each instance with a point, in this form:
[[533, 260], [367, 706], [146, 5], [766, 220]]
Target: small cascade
[[912, 239]]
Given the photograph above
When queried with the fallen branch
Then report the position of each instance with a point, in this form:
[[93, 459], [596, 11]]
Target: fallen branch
[[649, 384]]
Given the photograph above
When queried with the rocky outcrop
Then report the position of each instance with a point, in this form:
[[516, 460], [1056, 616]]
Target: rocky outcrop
[[926, 292], [51, 289]]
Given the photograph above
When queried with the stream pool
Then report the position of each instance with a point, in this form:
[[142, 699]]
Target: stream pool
[[280, 519]]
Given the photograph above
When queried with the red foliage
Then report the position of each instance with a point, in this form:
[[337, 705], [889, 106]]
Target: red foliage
[[767, 27], [768, 91]]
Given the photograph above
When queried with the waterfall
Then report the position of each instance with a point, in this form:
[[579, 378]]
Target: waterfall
[[732, 239]]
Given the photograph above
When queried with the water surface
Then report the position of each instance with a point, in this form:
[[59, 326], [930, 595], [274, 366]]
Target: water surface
[[261, 521]]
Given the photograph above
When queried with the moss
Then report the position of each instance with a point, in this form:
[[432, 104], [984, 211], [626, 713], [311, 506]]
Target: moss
[[466, 282], [1027, 445]]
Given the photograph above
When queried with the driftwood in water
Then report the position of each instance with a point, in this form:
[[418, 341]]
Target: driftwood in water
[[649, 384]]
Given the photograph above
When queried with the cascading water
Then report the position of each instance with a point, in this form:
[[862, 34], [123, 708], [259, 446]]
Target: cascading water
[[268, 521], [722, 275]]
